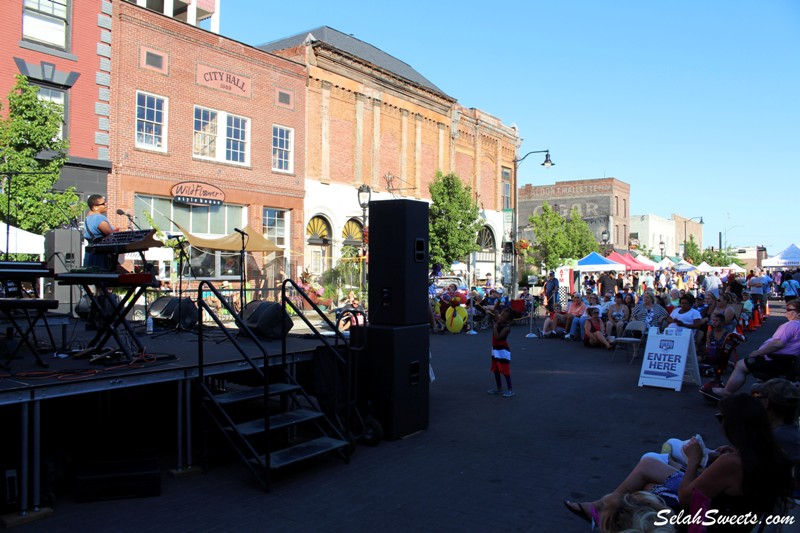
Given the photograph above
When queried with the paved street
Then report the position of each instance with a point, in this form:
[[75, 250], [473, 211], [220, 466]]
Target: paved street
[[576, 426]]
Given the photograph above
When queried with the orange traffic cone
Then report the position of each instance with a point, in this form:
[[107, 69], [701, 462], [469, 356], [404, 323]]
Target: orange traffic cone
[[756, 320], [766, 309], [740, 326]]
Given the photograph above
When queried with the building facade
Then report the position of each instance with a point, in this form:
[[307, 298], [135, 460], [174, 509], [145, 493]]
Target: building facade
[[63, 47], [649, 231], [373, 120], [207, 136], [604, 204]]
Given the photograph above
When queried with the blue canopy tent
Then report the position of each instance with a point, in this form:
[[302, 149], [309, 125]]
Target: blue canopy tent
[[595, 262]]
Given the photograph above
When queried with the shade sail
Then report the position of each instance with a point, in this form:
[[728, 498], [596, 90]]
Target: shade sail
[[254, 242]]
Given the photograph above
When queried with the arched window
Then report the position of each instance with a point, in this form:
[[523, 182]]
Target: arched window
[[487, 246], [318, 233], [351, 233]]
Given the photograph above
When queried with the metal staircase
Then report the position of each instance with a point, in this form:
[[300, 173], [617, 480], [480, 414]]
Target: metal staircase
[[269, 419]]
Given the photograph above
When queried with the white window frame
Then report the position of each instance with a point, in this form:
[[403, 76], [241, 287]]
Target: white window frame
[[46, 22], [62, 130], [222, 138], [277, 233], [164, 124], [278, 150]]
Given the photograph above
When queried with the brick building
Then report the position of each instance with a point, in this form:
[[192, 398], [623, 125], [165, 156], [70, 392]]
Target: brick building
[[63, 47], [191, 107], [372, 119], [603, 203]]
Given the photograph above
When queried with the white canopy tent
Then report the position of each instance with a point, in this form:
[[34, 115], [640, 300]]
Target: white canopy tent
[[20, 241], [646, 260], [666, 263], [685, 266], [790, 257], [705, 267], [733, 267]]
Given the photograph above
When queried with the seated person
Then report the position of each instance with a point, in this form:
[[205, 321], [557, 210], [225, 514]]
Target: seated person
[[576, 327], [747, 307], [555, 324], [725, 307], [775, 357], [618, 315], [753, 474], [649, 312], [593, 331], [490, 303], [575, 310], [674, 300], [608, 301], [637, 511], [353, 316], [685, 316], [782, 400]]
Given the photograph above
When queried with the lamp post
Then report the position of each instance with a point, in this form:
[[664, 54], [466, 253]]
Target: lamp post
[[604, 236], [685, 223], [547, 164], [364, 196], [663, 247]]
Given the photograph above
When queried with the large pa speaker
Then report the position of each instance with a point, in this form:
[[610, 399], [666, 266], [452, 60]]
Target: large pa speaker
[[170, 311], [398, 262], [393, 376], [62, 248], [267, 319]]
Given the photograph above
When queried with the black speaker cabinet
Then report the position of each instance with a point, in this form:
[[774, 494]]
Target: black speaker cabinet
[[393, 375], [62, 249], [168, 311], [267, 319], [398, 262]]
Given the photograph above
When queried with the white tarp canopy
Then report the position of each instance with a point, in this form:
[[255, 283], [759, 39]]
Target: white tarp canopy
[[646, 260], [733, 267], [20, 241], [685, 266], [705, 267], [666, 263], [790, 257]]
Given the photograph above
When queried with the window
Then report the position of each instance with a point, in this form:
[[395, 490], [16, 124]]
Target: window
[[206, 138], [624, 207], [151, 121], [59, 97], [282, 149], [153, 60], [285, 99], [506, 173], [275, 225], [45, 21]]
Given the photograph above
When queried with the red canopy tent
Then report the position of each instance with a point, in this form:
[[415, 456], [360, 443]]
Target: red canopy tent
[[629, 261]]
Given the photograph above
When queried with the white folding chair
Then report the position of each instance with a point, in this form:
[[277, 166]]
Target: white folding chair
[[632, 337]]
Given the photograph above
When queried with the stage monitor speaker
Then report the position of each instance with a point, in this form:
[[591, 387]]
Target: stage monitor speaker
[[398, 262], [393, 374], [170, 311], [62, 249], [267, 319]]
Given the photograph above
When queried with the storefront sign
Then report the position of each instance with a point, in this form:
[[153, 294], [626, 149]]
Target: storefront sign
[[224, 81], [197, 193]]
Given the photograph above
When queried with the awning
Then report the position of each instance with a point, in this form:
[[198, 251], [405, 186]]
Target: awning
[[253, 242]]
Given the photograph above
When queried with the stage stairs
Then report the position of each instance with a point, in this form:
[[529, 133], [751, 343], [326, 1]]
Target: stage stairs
[[269, 418]]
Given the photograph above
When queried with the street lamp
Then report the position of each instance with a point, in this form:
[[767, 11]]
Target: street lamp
[[547, 164], [663, 247], [604, 236], [364, 196], [685, 222]]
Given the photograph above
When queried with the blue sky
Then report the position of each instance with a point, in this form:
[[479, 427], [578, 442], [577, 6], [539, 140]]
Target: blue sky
[[695, 104]]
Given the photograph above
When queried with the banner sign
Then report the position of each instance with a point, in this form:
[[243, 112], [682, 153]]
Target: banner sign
[[669, 359], [197, 193]]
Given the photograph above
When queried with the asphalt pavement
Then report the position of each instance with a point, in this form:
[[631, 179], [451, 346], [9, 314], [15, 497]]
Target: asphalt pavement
[[576, 426]]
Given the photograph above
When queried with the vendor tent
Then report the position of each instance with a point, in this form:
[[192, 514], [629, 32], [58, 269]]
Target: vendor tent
[[666, 263], [595, 262], [790, 257], [20, 241], [253, 242], [705, 267], [641, 258], [685, 266], [629, 261], [733, 267]]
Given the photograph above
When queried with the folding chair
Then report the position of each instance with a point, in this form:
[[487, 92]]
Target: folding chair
[[632, 336], [521, 313]]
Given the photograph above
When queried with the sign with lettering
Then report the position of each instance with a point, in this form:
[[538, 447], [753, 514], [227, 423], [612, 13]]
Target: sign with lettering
[[197, 193], [669, 359], [223, 80]]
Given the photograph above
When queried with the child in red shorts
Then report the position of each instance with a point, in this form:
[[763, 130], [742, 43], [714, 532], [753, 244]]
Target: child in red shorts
[[501, 353]]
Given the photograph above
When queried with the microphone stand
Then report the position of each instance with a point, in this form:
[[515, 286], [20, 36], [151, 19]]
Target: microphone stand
[[181, 257], [241, 271]]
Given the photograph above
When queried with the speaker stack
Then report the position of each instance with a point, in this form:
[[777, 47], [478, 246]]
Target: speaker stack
[[394, 369], [62, 248]]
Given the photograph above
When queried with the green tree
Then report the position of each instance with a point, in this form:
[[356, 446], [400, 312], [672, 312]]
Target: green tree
[[453, 220], [31, 156], [692, 251], [552, 244], [579, 236]]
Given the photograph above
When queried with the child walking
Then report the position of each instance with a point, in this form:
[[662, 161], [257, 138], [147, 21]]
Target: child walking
[[501, 353]]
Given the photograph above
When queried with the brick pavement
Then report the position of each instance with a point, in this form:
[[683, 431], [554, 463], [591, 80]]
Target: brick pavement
[[576, 426]]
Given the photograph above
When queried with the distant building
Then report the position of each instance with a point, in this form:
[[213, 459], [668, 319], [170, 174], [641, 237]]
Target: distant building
[[603, 203], [649, 231]]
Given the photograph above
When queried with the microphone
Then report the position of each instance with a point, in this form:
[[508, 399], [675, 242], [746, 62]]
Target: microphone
[[121, 212], [237, 230]]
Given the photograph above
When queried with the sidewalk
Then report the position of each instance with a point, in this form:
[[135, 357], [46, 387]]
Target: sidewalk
[[577, 425]]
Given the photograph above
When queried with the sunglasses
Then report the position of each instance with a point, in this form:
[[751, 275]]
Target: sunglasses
[[100, 204], [791, 309]]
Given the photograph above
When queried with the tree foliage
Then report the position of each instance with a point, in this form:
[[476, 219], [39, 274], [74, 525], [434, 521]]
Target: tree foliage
[[558, 238], [31, 157], [453, 220], [692, 252]]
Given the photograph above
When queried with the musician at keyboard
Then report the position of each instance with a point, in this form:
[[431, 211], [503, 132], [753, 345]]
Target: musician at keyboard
[[95, 228]]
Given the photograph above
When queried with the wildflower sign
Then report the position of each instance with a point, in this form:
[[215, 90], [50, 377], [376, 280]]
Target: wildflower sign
[[669, 359]]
